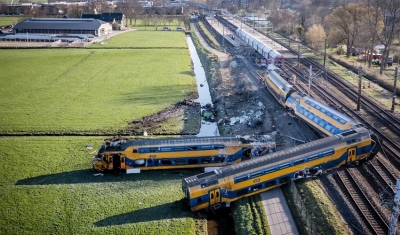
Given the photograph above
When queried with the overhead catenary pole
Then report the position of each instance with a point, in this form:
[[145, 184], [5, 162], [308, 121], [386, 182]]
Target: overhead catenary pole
[[394, 89], [309, 80], [298, 52], [359, 88], [223, 36]]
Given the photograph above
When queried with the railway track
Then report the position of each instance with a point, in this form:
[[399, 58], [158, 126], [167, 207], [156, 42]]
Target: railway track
[[389, 145], [366, 210], [306, 131], [383, 172]]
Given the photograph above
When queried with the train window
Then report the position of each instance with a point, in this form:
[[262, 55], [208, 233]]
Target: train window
[[270, 184], [219, 146], [198, 200], [217, 194], [297, 162], [206, 147], [327, 153], [122, 159], [193, 161], [313, 157], [152, 150], [269, 170], [351, 141], [205, 160], [191, 148], [362, 150], [349, 133], [212, 196], [284, 166], [165, 149], [210, 173], [134, 151], [219, 159], [179, 148], [283, 180], [256, 174], [180, 162], [241, 179], [242, 192], [166, 162]]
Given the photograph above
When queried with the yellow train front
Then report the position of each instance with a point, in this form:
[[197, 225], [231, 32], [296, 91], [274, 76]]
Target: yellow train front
[[218, 188], [195, 152]]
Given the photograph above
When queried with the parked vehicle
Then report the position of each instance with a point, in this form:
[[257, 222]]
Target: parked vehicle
[[179, 29], [165, 28]]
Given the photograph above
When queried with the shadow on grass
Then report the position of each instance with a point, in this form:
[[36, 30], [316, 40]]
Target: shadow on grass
[[173, 210], [87, 176]]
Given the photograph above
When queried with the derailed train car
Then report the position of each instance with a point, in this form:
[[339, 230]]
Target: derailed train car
[[193, 152], [219, 188], [323, 118], [272, 56]]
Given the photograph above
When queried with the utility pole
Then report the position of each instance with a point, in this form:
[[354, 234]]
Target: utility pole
[[298, 52], [360, 74], [394, 89], [309, 80], [223, 36], [326, 75]]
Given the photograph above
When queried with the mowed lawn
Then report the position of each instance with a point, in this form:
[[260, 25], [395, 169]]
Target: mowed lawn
[[47, 187], [89, 90], [140, 39]]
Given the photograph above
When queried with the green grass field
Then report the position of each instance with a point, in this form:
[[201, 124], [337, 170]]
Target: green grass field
[[8, 20], [89, 90], [140, 39], [47, 187]]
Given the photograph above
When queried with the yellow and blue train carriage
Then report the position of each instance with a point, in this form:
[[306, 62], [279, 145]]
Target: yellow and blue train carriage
[[321, 117], [195, 152], [278, 87], [218, 188]]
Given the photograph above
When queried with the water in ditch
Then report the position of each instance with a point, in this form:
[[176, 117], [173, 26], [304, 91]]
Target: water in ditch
[[207, 128]]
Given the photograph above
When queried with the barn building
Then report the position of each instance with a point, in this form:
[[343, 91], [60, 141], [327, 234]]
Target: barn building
[[108, 17], [95, 27]]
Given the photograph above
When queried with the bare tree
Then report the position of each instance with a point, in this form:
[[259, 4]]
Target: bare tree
[[316, 36], [345, 23], [390, 10]]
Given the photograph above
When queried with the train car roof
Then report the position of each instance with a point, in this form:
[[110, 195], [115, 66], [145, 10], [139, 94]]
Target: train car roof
[[329, 111], [179, 141], [287, 154], [279, 81]]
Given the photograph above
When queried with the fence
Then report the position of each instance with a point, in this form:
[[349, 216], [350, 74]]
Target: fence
[[19, 44], [304, 214]]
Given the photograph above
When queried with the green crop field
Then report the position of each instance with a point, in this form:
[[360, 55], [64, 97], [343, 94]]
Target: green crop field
[[140, 39], [8, 20], [47, 187], [89, 90]]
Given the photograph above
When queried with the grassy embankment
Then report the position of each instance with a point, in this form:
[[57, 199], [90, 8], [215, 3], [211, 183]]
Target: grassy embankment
[[326, 218], [93, 90], [46, 185], [47, 188], [249, 216]]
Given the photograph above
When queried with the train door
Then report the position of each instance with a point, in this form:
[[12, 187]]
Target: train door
[[116, 162], [215, 196], [122, 161], [351, 155]]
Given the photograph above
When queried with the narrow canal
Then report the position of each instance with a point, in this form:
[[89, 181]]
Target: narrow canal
[[221, 222], [207, 128]]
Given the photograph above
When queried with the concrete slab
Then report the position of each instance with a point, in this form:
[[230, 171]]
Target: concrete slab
[[278, 214]]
